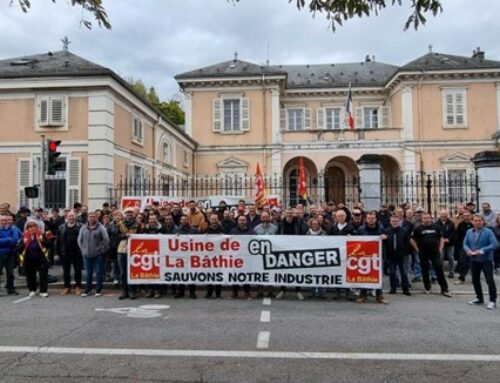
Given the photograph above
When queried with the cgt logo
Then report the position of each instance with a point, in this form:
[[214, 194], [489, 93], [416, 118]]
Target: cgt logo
[[363, 262], [144, 259]]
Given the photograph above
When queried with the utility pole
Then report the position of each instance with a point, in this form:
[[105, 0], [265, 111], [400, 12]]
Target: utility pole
[[43, 168]]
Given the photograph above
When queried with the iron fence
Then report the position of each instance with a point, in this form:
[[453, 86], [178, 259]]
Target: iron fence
[[432, 191]]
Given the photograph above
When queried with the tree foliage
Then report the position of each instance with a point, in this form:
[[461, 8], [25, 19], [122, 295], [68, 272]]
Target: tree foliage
[[92, 6], [170, 108], [339, 11]]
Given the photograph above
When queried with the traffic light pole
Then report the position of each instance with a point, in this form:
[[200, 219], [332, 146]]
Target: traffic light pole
[[43, 168]]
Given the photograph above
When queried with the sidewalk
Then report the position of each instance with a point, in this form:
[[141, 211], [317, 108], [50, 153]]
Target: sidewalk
[[417, 288]]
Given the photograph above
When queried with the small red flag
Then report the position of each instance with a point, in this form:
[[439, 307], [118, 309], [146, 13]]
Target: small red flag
[[260, 188], [302, 180]]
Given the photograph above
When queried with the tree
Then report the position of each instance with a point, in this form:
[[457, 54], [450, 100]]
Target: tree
[[338, 11], [93, 6], [171, 108]]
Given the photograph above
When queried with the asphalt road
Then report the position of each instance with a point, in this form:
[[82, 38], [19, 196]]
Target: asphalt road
[[412, 339]]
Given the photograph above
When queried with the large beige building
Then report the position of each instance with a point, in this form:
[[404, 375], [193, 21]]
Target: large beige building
[[108, 131], [432, 114]]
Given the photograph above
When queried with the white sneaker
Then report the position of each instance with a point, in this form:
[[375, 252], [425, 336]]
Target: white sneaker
[[476, 302], [44, 295], [280, 294], [427, 292], [491, 306], [32, 293], [300, 297], [99, 294]]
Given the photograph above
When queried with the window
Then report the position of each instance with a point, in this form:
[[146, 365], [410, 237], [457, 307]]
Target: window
[[137, 130], [454, 107], [232, 115], [333, 118], [51, 111], [370, 118], [167, 153], [295, 119]]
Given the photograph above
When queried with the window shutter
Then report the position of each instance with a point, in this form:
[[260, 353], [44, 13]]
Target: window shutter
[[73, 180], [56, 111], [283, 119], [358, 118], [24, 176], [307, 118], [44, 111], [385, 117], [245, 114], [217, 115], [320, 118]]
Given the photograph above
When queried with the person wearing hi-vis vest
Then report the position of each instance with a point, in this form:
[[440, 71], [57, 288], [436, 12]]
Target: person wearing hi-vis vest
[[35, 258]]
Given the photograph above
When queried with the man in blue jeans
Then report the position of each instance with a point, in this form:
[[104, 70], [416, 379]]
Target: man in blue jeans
[[93, 241], [479, 245]]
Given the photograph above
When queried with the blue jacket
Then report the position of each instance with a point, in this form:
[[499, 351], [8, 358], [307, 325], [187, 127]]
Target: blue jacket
[[9, 237], [486, 242]]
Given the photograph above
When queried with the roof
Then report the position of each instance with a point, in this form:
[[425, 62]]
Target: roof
[[63, 63], [440, 61], [360, 74], [367, 73], [59, 63], [231, 68]]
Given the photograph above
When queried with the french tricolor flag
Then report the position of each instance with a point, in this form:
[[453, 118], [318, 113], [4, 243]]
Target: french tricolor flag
[[349, 108]]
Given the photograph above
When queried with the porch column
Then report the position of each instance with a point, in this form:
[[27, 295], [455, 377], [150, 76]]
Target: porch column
[[487, 166], [370, 172]]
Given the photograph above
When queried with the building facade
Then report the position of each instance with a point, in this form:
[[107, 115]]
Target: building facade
[[432, 114], [108, 132]]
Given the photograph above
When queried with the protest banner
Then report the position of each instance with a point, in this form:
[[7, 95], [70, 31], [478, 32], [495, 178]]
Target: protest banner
[[307, 261], [211, 201]]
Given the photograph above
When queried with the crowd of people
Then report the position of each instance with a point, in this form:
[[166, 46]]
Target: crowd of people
[[416, 245]]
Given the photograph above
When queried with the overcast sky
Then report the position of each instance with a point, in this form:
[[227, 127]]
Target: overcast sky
[[156, 39]]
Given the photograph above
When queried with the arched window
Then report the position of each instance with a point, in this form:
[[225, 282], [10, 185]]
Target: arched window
[[167, 152]]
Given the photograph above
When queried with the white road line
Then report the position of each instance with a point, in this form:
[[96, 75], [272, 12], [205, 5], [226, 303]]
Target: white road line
[[263, 339], [266, 301], [253, 354], [22, 300], [265, 316]]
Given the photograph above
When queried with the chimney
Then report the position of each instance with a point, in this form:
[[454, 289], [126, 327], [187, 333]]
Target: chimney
[[478, 54], [367, 59]]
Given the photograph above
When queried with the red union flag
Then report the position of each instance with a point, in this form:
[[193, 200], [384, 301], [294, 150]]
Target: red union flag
[[349, 109], [363, 262], [144, 258], [302, 180], [260, 188]]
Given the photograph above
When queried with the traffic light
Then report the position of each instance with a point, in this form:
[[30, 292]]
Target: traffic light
[[52, 154]]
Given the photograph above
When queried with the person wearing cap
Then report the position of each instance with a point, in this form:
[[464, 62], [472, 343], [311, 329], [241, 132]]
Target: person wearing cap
[[34, 258], [127, 227]]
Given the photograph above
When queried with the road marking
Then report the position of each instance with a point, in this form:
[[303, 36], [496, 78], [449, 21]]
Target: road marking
[[22, 300], [265, 316], [253, 354], [266, 301], [144, 311], [263, 339]]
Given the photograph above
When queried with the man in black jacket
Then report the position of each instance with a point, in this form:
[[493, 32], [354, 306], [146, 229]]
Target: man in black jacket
[[67, 250], [463, 259], [341, 226], [448, 229], [241, 228], [397, 247]]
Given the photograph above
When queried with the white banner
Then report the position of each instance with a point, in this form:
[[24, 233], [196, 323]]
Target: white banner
[[308, 261]]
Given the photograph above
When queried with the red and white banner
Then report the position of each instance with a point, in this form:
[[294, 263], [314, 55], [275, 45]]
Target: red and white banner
[[213, 201], [279, 260]]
